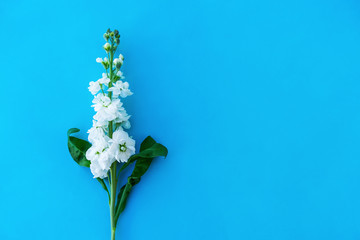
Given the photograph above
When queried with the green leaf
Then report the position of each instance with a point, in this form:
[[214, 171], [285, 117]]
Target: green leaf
[[148, 142], [154, 151], [149, 149], [102, 182], [77, 149]]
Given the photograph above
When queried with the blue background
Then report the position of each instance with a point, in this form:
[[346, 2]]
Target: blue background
[[257, 101]]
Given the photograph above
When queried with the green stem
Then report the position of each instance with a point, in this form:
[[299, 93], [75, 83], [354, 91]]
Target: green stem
[[113, 180], [113, 234], [113, 198]]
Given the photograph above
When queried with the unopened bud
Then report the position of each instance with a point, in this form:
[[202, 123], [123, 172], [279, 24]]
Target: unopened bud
[[106, 36], [107, 47], [126, 125], [117, 63], [121, 57], [105, 63]]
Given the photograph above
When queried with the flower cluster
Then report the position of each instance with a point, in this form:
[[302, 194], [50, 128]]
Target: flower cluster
[[109, 141]]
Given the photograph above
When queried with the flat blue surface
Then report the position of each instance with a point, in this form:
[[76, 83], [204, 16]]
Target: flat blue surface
[[257, 101]]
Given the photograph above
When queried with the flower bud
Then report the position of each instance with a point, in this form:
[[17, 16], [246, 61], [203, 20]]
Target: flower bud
[[107, 47], [112, 34], [106, 36], [121, 57], [117, 40], [117, 35], [99, 60], [126, 124], [105, 63], [117, 63]]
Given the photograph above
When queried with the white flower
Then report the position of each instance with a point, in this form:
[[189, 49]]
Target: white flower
[[107, 109], [99, 60], [121, 57], [99, 125], [98, 154], [120, 74], [96, 150], [122, 146], [120, 89], [104, 80], [100, 101], [122, 116], [97, 171], [105, 160], [96, 132], [94, 87]]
